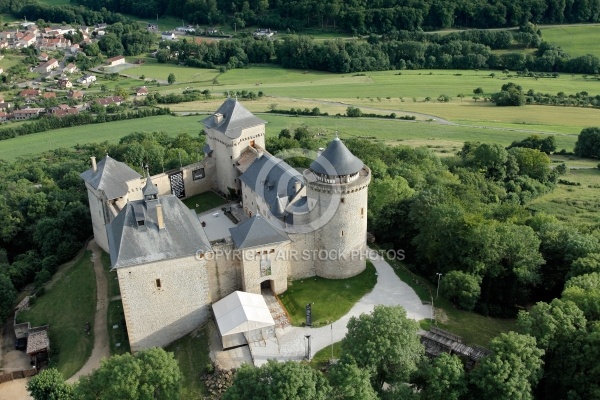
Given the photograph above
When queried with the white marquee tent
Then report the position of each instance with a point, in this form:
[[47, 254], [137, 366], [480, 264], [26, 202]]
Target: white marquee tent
[[238, 313]]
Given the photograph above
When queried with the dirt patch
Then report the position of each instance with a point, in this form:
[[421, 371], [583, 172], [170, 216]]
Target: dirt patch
[[440, 315], [15, 390]]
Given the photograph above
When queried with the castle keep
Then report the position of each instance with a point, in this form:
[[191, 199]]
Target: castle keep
[[171, 266]]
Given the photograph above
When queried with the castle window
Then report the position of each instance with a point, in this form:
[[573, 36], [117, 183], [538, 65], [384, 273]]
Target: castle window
[[342, 200], [362, 212], [158, 284], [140, 222], [342, 233]]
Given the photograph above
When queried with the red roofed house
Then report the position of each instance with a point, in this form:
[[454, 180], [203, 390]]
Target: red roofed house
[[107, 101], [3, 116], [64, 83], [75, 94], [48, 66], [111, 62], [43, 57], [49, 95], [142, 91], [27, 40], [29, 93], [62, 110]]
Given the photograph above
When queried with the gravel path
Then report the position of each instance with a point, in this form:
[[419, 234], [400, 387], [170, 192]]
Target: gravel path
[[290, 343], [101, 349]]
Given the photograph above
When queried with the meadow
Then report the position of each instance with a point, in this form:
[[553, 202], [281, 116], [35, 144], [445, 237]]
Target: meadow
[[576, 40]]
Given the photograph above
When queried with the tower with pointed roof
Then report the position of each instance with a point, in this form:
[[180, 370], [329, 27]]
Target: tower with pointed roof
[[337, 187], [110, 184], [230, 131]]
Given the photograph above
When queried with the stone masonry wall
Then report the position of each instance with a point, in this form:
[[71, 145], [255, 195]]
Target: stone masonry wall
[[224, 271], [268, 263], [164, 301], [98, 218]]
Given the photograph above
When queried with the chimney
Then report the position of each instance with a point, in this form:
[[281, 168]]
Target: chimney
[[159, 217], [218, 118], [297, 186], [94, 166]]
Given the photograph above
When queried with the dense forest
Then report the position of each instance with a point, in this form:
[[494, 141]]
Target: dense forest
[[361, 16]]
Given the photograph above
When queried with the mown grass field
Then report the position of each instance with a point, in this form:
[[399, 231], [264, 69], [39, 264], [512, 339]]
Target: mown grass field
[[111, 131], [575, 40], [67, 306], [330, 298]]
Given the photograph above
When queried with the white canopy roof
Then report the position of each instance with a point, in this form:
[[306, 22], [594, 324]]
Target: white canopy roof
[[242, 312]]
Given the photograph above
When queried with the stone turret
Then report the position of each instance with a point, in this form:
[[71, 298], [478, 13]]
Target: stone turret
[[337, 187]]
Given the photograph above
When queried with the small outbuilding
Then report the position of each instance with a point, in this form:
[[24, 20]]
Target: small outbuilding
[[240, 313]]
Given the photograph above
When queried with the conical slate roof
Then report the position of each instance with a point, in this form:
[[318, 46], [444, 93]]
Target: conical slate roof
[[336, 160], [235, 119], [256, 232], [150, 188]]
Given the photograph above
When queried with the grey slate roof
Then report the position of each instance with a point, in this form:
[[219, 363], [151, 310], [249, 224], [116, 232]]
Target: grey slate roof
[[110, 177], [235, 119], [131, 244], [270, 177], [255, 232], [336, 160], [150, 188]]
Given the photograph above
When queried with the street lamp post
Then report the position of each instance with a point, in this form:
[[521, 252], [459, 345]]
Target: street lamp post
[[308, 355], [437, 292]]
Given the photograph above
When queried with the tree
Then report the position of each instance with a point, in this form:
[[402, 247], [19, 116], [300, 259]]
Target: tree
[[385, 343], [7, 296], [171, 79], [443, 378], [510, 95], [461, 288], [551, 323], [148, 375], [274, 381], [478, 91], [511, 371], [588, 143], [49, 385], [585, 265], [584, 290], [353, 112], [350, 382]]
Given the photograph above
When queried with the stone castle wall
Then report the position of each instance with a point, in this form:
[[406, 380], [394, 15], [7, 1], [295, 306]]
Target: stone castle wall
[[224, 271], [164, 300], [98, 215], [192, 187], [267, 263]]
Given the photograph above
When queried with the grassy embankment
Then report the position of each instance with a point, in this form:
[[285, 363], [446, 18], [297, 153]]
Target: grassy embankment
[[67, 306]]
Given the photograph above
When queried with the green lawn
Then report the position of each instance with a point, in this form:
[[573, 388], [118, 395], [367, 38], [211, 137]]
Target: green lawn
[[111, 131], [575, 40], [205, 202], [152, 69], [192, 355], [331, 298], [67, 307], [322, 357], [117, 337]]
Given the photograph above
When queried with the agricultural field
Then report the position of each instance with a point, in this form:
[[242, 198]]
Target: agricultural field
[[575, 40]]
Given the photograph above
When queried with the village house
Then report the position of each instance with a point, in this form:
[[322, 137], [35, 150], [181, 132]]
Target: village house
[[152, 27], [43, 57], [28, 93], [3, 44], [62, 110], [26, 113], [3, 116], [107, 101], [87, 79], [47, 67], [64, 83], [54, 44], [118, 60], [4, 106], [70, 68], [48, 95], [190, 29], [27, 40], [168, 36], [75, 94], [143, 91]]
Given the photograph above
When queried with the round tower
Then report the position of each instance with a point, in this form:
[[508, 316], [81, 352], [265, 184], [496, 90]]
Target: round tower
[[337, 186]]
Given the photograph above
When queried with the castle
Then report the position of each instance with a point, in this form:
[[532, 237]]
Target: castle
[[294, 225]]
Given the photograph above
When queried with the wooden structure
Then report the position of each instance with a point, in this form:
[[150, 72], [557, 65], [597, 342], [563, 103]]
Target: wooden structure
[[437, 341]]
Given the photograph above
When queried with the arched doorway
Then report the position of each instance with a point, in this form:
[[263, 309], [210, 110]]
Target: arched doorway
[[266, 286]]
